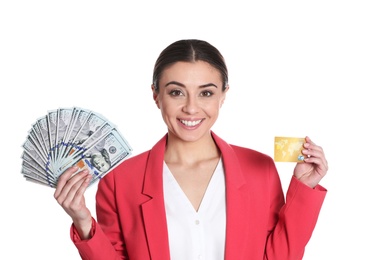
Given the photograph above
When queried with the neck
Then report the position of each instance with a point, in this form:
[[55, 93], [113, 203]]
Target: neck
[[179, 151]]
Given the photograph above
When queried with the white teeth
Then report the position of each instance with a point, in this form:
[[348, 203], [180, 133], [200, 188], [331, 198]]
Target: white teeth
[[190, 123]]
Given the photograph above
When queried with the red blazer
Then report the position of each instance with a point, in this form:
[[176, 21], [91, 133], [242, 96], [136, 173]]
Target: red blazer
[[131, 217]]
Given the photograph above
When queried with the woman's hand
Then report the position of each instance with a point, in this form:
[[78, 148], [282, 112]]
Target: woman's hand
[[70, 195], [314, 167]]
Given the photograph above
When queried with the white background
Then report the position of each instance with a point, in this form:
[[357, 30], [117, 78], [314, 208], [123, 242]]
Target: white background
[[296, 68]]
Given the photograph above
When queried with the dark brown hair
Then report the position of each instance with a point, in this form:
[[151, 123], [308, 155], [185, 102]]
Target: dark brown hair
[[190, 50]]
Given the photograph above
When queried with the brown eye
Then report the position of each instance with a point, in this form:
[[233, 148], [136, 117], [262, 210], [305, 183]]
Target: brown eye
[[175, 92], [206, 93]]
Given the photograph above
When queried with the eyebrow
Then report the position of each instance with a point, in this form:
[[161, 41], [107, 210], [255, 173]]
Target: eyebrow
[[182, 85]]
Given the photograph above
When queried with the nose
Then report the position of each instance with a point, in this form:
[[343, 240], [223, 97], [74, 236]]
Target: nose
[[190, 105]]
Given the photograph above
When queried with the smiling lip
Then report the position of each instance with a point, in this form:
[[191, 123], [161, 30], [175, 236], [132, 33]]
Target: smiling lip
[[190, 123]]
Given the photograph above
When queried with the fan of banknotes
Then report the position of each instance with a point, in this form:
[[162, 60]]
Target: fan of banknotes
[[72, 136]]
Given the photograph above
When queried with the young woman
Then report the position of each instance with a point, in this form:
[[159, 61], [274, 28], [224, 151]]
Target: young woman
[[193, 195]]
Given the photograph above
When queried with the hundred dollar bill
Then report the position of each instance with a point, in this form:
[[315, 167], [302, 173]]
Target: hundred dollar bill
[[35, 176], [63, 119], [52, 131], [36, 169], [34, 141], [30, 147], [67, 140], [29, 176], [75, 155], [43, 169], [79, 118], [78, 148], [38, 135], [104, 156], [43, 127], [94, 128], [117, 149]]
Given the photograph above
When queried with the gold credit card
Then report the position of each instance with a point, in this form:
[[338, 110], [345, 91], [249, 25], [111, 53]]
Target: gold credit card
[[288, 149]]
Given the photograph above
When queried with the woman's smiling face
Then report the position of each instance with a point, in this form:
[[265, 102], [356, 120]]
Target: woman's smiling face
[[190, 97]]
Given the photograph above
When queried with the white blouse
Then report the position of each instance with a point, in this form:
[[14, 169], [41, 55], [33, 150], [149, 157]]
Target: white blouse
[[196, 234]]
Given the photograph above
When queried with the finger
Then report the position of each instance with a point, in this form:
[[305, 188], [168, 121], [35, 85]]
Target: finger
[[75, 180], [321, 165], [309, 140], [75, 196], [316, 151], [311, 146], [79, 190], [63, 178]]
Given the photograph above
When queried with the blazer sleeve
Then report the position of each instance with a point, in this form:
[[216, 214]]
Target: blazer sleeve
[[107, 244], [296, 221]]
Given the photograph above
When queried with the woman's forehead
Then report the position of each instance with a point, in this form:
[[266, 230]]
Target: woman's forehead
[[192, 72]]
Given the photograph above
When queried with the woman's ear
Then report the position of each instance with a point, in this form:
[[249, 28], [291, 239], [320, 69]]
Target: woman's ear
[[224, 95], [155, 95]]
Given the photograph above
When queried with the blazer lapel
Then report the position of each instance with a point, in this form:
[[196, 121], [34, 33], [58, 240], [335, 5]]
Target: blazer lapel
[[154, 214], [237, 201]]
